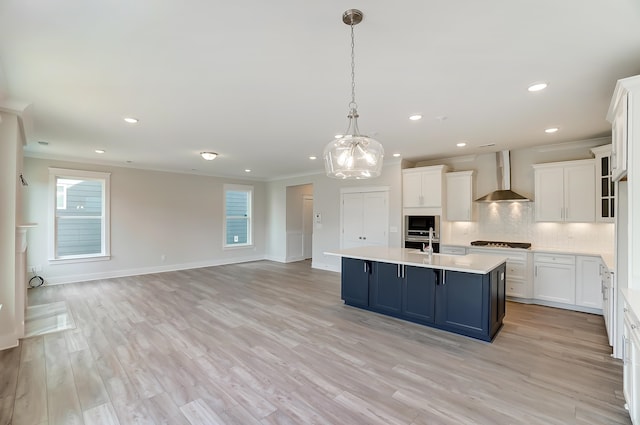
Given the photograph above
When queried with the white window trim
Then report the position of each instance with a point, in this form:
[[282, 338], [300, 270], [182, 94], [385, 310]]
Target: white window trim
[[236, 187], [52, 210]]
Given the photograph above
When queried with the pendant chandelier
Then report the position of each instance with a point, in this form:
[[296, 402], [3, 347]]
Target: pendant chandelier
[[353, 155]]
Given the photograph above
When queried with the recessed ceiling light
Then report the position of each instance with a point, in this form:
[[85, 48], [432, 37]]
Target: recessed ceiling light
[[313, 158], [537, 86], [461, 144], [415, 117], [43, 143], [338, 136], [441, 118], [396, 155], [131, 120], [209, 156], [128, 162], [247, 170], [100, 151], [488, 145], [551, 130]]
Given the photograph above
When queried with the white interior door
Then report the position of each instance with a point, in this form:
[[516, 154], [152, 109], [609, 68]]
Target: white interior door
[[351, 220], [375, 218], [365, 219], [307, 225]]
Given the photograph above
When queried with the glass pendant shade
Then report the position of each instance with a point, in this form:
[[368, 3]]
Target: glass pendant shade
[[353, 157]]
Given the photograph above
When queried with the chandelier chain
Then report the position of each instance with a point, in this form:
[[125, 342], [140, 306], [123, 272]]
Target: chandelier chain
[[353, 103]]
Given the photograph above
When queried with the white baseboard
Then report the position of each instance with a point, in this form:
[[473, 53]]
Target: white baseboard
[[325, 266], [60, 280]]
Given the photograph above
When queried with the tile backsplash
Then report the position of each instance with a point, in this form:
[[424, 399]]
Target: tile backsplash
[[515, 222]]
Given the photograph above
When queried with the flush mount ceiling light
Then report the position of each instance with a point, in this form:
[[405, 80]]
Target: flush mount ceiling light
[[209, 156], [100, 151], [461, 144], [537, 87], [313, 158], [353, 156], [131, 120], [415, 117], [551, 130]]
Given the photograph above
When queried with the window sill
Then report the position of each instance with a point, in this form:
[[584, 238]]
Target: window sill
[[71, 260], [234, 247]]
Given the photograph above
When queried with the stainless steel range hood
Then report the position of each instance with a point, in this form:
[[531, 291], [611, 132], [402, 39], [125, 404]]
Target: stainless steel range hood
[[504, 192]]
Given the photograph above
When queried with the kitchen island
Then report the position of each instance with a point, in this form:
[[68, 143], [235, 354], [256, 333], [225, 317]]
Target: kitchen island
[[460, 294]]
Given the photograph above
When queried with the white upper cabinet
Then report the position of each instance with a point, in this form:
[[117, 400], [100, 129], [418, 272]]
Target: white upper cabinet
[[605, 186], [460, 195], [422, 188], [565, 191], [621, 116]]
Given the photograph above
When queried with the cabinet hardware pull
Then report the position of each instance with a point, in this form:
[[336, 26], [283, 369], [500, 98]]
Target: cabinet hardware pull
[[399, 273], [444, 272]]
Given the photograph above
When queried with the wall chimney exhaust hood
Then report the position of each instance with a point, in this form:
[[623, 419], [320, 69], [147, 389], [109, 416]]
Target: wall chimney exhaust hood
[[504, 192]]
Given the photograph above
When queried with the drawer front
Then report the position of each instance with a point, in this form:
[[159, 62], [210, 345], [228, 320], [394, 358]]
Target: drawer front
[[516, 288], [555, 259], [453, 250], [516, 270], [511, 254]]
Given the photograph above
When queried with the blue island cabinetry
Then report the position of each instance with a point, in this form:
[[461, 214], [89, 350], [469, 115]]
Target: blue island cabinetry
[[470, 304]]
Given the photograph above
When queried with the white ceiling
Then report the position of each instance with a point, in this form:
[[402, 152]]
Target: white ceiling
[[267, 84]]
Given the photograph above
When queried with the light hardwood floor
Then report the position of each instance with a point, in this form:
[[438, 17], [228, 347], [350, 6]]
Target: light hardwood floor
[[270, 343]]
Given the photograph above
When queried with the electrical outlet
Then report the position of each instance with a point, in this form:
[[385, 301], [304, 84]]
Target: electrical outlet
[[235, 238]]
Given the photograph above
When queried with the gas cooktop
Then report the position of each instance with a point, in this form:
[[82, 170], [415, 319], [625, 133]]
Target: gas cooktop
[[499, 244]]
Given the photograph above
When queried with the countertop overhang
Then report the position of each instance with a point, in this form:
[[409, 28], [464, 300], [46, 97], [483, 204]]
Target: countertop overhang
[[470, 263]]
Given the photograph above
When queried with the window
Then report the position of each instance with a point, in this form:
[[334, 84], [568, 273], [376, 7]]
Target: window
[[237, 215], [79, 215]]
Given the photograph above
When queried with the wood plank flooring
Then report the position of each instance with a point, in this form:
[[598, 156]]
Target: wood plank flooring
[[270, 343]]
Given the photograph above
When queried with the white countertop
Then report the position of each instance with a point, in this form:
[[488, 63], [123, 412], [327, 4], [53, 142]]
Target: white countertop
[[471, 263], [607, 257]]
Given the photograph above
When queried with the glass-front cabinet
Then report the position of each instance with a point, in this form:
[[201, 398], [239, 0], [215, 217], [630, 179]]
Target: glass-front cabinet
[[605, 185]]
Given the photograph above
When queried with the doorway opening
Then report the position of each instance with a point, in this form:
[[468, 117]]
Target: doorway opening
[[299, 223]]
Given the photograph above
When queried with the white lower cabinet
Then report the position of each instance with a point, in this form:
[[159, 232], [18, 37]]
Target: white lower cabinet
[[589, 278], [554, 278], [631, 363], [518, 271]]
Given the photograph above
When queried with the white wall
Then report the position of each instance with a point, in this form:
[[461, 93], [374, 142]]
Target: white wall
[[516, 222], [152, 214], [10, 163], [326, 201]]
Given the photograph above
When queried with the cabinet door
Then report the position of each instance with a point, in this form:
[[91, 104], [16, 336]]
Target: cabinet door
[[412, 190], [419, 292], [386, 288], [462, 303], [432, 188], [619, 139], [459, 206], [549, 192], [589, 282], [627, 369], [554, 282], [355, 281], [579, 193]]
